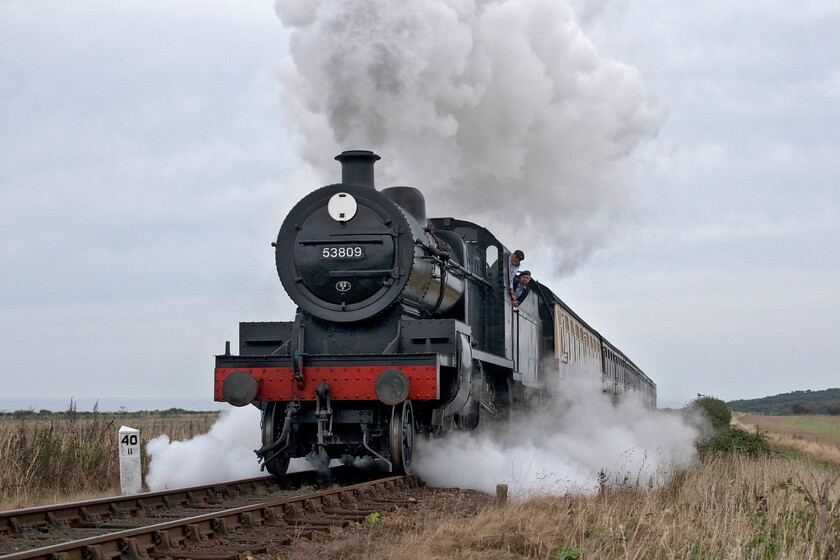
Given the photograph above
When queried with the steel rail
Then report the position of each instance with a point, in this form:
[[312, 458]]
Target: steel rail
[[19, 520], [162, 538], [22, 520]]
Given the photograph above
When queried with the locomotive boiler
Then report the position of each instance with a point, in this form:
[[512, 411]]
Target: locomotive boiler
[[404, 326]]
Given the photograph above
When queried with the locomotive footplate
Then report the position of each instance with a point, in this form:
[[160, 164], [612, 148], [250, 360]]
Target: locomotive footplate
[[349, 377]]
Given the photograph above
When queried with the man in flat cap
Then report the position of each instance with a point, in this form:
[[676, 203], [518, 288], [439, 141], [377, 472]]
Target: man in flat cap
[[519, 288]]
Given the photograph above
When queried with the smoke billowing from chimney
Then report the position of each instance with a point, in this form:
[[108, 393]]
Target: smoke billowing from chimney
[[500, 111]]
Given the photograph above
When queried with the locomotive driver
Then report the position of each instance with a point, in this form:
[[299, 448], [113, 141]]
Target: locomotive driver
[[514, 260]]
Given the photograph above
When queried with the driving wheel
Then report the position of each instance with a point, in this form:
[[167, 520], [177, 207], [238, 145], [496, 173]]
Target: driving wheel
[[272, 421], [402, 437]]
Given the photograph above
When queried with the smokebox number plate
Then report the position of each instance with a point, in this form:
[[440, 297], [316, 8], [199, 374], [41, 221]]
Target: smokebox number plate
[[343, 252]]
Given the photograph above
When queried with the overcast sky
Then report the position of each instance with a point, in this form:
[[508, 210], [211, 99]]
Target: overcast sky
[[150, 150]]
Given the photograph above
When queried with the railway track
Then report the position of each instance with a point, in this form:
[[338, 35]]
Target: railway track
[[215, 522]]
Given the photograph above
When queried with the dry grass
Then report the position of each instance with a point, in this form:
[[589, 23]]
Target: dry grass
[[729, 507], [47, 458], [815, 436]]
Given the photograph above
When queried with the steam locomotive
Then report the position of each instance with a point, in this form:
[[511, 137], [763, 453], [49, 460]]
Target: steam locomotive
[[404, 327]]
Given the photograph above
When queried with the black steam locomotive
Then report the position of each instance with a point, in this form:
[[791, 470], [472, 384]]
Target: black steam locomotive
[[404, 326]]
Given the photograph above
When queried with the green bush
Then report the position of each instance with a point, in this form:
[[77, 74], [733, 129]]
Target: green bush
[[714, 409], [735, 440], [725, 438]]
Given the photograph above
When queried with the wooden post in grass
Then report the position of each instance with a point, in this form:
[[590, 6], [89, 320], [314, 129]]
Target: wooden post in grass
[[131, 481], [501, 495]]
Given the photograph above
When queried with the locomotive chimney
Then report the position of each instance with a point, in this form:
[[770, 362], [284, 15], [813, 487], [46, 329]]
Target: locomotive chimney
[[357, 167]]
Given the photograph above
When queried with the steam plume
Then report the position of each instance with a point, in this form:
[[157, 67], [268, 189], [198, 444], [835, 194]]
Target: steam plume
[[500, 111], [224, 453], [572, 445]]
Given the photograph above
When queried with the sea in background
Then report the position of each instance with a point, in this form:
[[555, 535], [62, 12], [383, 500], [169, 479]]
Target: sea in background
[[109, 404]]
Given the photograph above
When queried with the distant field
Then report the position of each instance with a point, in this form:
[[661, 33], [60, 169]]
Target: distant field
[[816, 436], [814, 424]]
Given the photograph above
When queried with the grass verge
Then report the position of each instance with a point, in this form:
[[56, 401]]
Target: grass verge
[[50, 457]]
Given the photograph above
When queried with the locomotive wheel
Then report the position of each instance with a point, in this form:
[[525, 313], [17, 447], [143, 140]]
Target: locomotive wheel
[[500, 397], [273, 418], [402, 437]]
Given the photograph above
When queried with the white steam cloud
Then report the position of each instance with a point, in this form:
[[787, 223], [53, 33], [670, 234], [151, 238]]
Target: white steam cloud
[[557, 450], [224, 453], [565, 448], [500, 111]]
